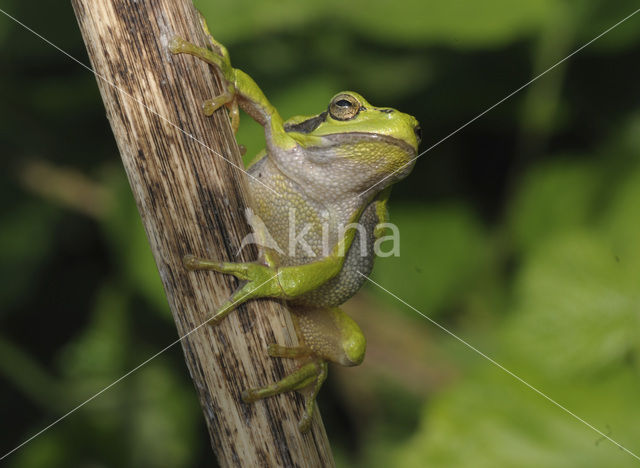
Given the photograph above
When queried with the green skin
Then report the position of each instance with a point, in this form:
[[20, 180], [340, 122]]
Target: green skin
[[353, 143]]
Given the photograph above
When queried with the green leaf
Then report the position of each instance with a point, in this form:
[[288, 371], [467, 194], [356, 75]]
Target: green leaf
[[455, 23], [25, 243], [622, 225], [99, 355], [441, 251], [165, 419], [552, 198], [576, 309], [603, 16], [490, 420]]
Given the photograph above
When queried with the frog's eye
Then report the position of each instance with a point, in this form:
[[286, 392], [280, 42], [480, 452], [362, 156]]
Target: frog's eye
[[344, 107]]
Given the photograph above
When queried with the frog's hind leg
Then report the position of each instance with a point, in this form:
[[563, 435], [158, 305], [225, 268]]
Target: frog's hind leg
[[326, 334], [307, 379], [331, 334]]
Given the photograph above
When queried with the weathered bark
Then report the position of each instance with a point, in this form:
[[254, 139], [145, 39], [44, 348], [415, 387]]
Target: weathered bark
[[192, 200]]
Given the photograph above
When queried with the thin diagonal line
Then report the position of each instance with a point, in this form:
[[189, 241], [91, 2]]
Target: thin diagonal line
[[197, 140], [520, 379], [505, 98], [69, 413]]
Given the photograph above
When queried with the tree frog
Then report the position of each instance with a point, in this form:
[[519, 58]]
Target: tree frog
[[316, 172]]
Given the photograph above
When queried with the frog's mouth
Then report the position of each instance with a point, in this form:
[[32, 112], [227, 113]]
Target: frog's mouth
[[338, 139]]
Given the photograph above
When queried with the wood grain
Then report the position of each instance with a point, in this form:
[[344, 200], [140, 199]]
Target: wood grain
[[191, 200]]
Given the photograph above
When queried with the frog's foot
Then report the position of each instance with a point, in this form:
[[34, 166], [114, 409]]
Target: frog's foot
[[211, 105], [307, 379], [219, 58], [260, 281], [178, 45], [227, 98]]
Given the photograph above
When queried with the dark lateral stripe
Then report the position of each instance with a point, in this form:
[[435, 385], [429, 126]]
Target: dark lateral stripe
[[306, 126]]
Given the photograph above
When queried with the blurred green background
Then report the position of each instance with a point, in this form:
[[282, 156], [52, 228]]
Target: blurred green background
[[520, 234]]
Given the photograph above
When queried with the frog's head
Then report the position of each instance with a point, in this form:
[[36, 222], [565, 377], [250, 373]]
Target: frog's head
[[356, 141]]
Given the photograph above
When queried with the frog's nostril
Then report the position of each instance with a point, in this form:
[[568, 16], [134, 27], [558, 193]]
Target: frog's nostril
[[418, 132]]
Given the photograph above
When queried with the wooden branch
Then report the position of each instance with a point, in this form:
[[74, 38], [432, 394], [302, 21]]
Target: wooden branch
[[192, 201]]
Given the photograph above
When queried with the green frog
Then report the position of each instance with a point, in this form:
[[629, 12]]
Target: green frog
[[332, 173]]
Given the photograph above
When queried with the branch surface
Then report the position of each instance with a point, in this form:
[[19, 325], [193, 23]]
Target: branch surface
[[191, 200]]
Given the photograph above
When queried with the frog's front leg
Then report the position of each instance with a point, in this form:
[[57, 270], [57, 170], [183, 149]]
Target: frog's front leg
[[271, 281], [260, 281], [240, 89], [220, 60], [266, 281]]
